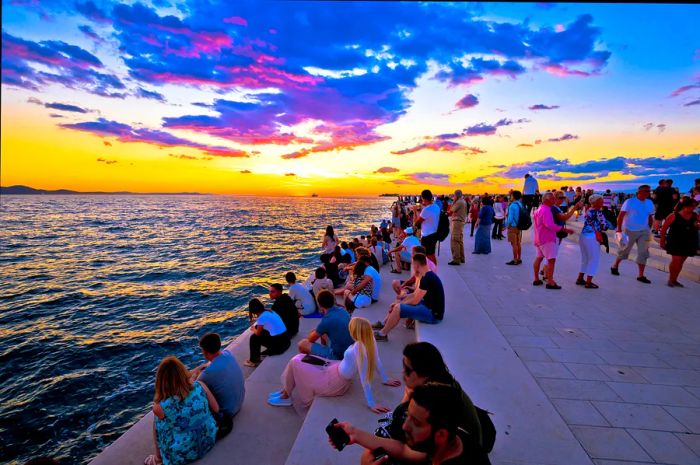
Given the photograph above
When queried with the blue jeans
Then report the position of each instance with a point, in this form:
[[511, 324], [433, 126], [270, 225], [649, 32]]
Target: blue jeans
[[322, 351], [418, 312]]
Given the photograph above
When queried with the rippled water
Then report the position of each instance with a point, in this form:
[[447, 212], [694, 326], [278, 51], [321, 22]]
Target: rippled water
[[95, 290]]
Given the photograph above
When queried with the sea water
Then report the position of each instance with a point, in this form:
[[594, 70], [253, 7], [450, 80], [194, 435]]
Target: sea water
[[96, 290]]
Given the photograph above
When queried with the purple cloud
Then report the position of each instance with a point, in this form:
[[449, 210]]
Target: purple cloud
[[563, 138], [563, 169], [91, 12], [485, 129], [540, 106], [438, 179], [468, 101], [125, 133], [694, 102], [67, 65], [144, 93]]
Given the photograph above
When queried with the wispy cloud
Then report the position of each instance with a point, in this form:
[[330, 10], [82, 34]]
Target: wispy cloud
[[563, 138], [468, 101], [540, 106]]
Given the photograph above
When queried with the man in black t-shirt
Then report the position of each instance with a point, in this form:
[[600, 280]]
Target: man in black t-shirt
[[664, 199], [426, 304], [285, 307]]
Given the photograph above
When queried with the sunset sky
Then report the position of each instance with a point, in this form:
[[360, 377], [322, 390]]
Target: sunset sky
[[291, 98]]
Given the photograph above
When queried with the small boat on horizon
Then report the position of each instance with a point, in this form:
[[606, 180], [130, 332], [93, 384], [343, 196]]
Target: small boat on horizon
[[314, 195]]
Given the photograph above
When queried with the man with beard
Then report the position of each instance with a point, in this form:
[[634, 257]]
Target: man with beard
[[431, 433]]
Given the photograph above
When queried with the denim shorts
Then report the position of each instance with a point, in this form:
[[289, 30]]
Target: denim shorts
[[322, 351], [418, 312]]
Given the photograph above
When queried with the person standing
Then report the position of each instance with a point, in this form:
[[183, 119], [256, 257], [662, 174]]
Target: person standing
[[330, 240], [664, 198], [482, 241], [428, 221], [499, 213], [458, 214], [636, 217], [474, 214], [594, 226], [545, 241], [530, 189], [515, 235], [679, 237]]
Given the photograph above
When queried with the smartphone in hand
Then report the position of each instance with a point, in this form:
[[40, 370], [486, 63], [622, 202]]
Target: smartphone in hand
[[338, 436]]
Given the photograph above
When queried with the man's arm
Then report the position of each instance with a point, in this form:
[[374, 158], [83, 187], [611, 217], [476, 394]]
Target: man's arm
[[313, 336], [415, 297], [362, 284], [620, 217], [393, 448]]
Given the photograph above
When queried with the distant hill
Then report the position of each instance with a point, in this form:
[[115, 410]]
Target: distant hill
[[26, 190]]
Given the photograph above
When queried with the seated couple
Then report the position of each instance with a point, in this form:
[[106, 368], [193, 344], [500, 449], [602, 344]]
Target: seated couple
[[302, 381], [436, 421], [426, 304], [274, 328], [193, 409], [363, 286], [301, 295]]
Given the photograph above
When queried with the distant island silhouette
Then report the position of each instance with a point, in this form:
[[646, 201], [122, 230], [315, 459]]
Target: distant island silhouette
[[26, 190]]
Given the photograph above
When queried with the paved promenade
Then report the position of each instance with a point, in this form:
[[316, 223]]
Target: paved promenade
[[621, 364], [607, 376]]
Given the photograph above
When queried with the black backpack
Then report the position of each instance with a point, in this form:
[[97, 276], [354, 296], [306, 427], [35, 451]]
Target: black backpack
[[524, 220], [443, 229]]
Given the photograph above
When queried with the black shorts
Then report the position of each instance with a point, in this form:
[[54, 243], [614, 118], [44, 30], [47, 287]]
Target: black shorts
[[429, 242], [661, 213]]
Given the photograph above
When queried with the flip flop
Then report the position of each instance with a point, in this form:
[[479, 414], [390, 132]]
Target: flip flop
[[250, 364], [152, 460]]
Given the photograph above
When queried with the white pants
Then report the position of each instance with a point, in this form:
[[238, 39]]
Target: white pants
[[590, 254]]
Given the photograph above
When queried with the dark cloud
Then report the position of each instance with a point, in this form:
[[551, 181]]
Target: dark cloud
[[89, 32], [246, 172], [290, 174], [694, 102], [106, 162], [92, 12], [125, 133], [540, 106], [66, 107], [144, 93]]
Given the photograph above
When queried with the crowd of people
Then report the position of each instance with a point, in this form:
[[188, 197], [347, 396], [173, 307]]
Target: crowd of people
[[436, 419]]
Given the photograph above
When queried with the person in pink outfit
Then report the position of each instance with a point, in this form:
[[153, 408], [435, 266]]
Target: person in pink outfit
[[545, 240], [302, 381]]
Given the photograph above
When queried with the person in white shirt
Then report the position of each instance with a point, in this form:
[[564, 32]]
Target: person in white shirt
[[303, 299], [402, 253], [499, 214], [268, 331], [428, 222], [636, 216], [530, 188], [302, 381]]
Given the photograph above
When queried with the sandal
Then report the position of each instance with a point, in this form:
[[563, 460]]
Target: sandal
[[580, 282], [591, 286], [152, 460], [378, 325], [677, 284], [537, 282], [251, 364]]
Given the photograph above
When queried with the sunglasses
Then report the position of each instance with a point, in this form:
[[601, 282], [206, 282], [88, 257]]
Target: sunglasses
[[407, 370]]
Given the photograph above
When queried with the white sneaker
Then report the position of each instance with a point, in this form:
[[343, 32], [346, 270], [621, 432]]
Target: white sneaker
[[274, 394], [279, 402]]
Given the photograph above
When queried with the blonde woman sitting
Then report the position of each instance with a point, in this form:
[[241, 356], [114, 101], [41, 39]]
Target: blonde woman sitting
[[184, 428], [302, 381]]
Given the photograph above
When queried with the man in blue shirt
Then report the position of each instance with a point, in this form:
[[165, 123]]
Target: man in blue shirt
[[333, 326], [515, 235], [224, 378]]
